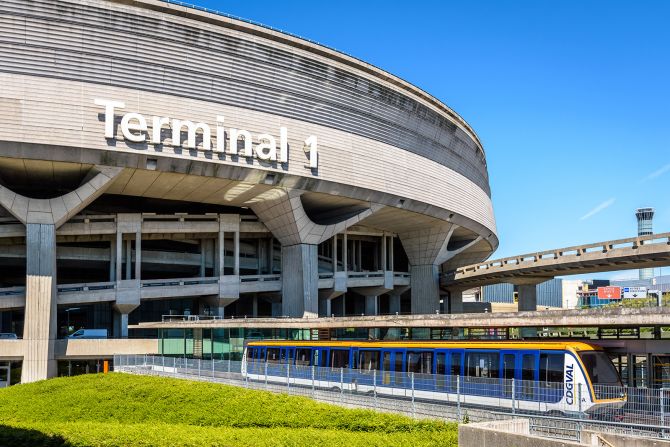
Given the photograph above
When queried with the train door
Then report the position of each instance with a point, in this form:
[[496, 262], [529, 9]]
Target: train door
[[441, 371], [455, 368], [529, 371], [507, 372], [388, 361], [4, 376]]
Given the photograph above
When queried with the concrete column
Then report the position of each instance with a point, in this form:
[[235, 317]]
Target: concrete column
[[254, 306], [359, 257], [237, 253], [371, 305], [300, 281], [138, 255], [394, 303], [454, 303], [123, 325], [345, 253], [129, 256], [119, 256], [221, 254], [425, 289], [391, 266], [384, 265], [334, 254], [203, 257], [112, 260], [39, 334], [527, 297]]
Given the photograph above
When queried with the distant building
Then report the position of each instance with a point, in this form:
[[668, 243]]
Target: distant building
[[645, 218]]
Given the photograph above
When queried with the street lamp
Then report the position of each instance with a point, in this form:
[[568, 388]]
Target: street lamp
[[67, 312]]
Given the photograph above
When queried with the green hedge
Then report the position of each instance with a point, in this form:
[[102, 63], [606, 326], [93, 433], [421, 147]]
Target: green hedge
[[121, 410]]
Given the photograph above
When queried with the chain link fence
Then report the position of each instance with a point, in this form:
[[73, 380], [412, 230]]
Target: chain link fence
[[645, 412]]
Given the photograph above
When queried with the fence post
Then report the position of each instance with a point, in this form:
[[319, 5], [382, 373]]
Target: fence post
[[288, 378], [174, 366], [313, 374], [579, 397], [145, 360], [341, 384], [266, 375], [413, 404], [374, 385], [229, 362], [513, 396], [163, 360], [662, 391], [199, 367], [458, 397]]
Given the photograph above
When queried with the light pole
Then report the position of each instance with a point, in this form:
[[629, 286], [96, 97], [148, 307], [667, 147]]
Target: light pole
[[67, 312]]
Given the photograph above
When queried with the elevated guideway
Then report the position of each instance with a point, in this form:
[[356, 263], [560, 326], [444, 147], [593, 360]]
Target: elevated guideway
[[526, 271]]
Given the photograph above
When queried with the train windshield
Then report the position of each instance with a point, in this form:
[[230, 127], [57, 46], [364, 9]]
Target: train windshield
[[600, 368]]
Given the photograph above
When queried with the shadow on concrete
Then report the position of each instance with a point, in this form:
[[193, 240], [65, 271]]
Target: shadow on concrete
[[24, 437]]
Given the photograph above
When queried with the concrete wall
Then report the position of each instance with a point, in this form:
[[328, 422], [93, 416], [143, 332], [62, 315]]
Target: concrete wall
[[508, 433]]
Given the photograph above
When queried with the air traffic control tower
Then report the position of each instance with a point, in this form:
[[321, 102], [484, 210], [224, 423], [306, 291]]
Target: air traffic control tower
[[645, 218]]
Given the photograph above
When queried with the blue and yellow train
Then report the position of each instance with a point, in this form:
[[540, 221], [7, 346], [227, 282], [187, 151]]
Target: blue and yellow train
[[566, 377]]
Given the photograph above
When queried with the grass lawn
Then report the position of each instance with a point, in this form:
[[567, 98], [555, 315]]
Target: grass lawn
[[126, 410]]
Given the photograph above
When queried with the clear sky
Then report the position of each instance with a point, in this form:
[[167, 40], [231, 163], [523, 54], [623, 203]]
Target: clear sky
[[571, 99]]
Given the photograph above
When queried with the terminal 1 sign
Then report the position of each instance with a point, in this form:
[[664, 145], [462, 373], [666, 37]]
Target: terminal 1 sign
[[137, 128], [609, 293]]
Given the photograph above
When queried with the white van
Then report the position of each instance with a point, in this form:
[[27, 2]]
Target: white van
[[89, 333]]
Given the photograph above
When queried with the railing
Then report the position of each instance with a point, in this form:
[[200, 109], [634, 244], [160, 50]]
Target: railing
[[259, 278], [86, 287], [12, 291], [178, 282], [645, 412], [604, 247]]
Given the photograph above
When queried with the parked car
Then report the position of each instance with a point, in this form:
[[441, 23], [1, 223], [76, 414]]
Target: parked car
[[88, 333], [8, 336]]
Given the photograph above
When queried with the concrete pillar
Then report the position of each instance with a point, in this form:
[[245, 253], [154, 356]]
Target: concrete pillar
[[221, 254], [391, 265], [119, 256], [371, 305], [359, 257], [454, 303], [384, 265], [527, 297], [425, 290], [335, 254], [138, 255], [394, 303], [300, 281], [236, 270], [39, 334], [203, 257], [254, 306], [345, 253], [112, 260], [129, 255]]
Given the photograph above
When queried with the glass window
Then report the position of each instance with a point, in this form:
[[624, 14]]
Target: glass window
[[339, 358], [455, 363], [551, 367], [368, 360], [420, 362], [508, 366], [273, 355], [440, 363], [302, 356], [482, 364], [528, 367], [599, 368]]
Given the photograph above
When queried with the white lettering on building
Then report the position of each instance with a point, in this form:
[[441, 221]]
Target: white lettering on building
[[240, 142]]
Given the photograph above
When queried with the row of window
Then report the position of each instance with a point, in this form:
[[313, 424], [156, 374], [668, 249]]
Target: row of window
[[478, 364]]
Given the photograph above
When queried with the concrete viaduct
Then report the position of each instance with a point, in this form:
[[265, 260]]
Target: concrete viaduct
[[526, 271]]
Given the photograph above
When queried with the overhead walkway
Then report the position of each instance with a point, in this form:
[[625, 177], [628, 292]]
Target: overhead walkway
[[14, 297], [526, 271]]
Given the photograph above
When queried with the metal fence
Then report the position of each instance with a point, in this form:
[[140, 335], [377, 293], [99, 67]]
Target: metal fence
[[645, 412]]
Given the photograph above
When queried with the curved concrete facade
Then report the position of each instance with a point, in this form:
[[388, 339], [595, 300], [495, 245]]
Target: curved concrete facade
[[175, 108]]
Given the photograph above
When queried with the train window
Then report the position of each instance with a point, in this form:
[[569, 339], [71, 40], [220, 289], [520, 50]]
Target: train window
[[440, 363], [273, 355], [600, 368], [508, 366], [302, 356], [528, 367], [551, 367], [455, 364], [419, 362], [483, 364], [339, 358], [251, 354], [368, 360]]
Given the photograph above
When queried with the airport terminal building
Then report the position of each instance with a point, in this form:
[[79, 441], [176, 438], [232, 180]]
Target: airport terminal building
[[157, 159]]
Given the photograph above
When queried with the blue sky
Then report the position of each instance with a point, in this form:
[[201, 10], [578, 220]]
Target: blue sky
[[571, 99]]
